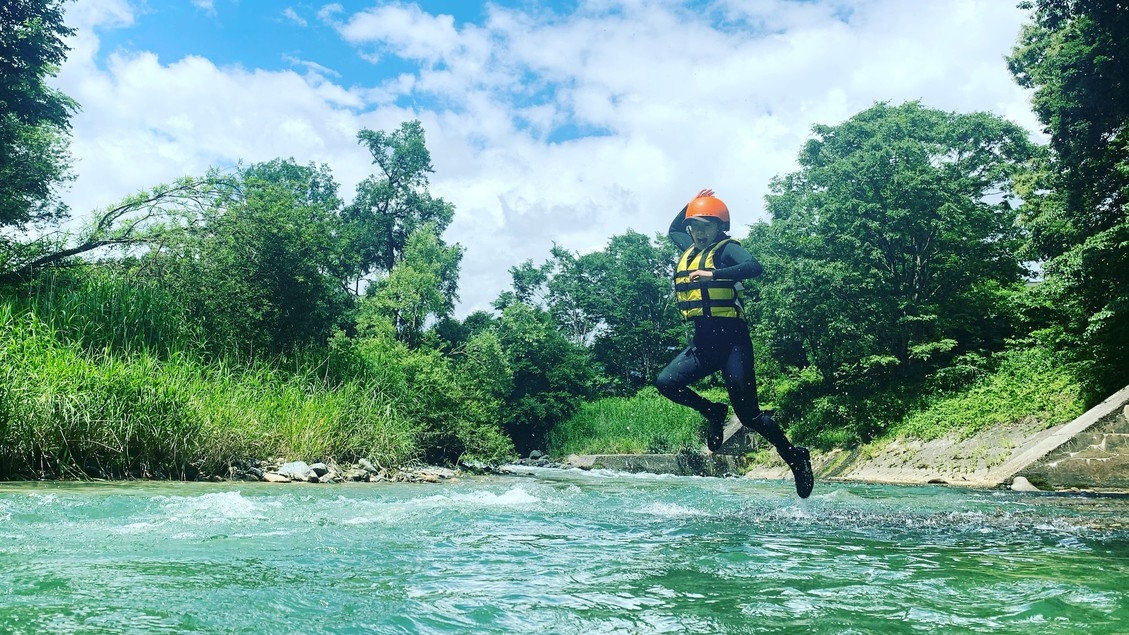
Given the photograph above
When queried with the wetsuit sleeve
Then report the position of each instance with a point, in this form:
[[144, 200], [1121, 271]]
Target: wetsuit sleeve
[[737, 264], [677, 231]]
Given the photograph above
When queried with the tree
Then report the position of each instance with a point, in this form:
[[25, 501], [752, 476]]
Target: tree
[[147, 219], [34, 118], [617, 302], [262, 268], [390, 206], [885, 250], [1073, 54], [623, 297], [550, 375], [422, 286]]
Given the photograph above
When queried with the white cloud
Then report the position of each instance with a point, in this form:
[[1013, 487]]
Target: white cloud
[[679, 99], [290, 14], [209, 6], [406, 29], [328, 12]]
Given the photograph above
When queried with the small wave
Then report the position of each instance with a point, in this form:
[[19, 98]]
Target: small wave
[[671, 510], [137, 527], [512, 496], [839, 494], [225, 505]]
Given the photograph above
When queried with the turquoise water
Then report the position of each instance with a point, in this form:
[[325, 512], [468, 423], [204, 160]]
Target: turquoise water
[[553, 551]]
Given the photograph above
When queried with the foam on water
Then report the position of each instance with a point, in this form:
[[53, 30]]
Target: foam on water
[[671, 510], [516, 496], [209, 507]]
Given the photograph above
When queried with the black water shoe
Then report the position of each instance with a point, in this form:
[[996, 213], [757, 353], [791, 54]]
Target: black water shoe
[[800, 462], [717, 416]]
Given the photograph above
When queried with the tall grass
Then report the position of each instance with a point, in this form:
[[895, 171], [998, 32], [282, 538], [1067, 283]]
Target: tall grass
[[644, 423], [103, 309], [68, 411]]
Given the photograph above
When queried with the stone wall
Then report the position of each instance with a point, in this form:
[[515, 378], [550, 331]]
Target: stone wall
[[1095, 459]]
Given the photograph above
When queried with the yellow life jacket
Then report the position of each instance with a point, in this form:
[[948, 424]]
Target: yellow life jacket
[[705, 298]]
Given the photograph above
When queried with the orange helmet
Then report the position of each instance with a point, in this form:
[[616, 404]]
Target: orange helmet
[[708, 207]]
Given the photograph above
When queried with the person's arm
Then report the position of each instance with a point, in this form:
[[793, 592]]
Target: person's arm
[[737, 264], [677, 231]]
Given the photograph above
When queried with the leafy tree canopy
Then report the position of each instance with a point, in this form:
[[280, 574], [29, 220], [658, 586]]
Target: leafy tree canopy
[[1075, 56], [34, 118], [617, 302], [261, 265], [422, 286], [391, 205], [884, 249]]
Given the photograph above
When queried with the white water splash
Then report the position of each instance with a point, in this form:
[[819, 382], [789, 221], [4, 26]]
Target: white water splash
[[671, 510], [515, 496], [210, 507]]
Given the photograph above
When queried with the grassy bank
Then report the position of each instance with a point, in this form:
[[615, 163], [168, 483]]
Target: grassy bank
[[66, 411], [106, 374], [644, 423], [1025, 384]]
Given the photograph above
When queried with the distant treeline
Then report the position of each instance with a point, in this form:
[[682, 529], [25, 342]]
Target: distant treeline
[[924, 270]]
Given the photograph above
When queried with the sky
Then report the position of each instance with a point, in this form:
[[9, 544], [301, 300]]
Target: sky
[[549, 122]]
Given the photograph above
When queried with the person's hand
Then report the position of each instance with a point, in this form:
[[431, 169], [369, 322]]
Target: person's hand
[[705, 192], [702, 274]]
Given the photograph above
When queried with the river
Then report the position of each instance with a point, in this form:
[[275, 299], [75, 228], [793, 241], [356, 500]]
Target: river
[[558, 551]]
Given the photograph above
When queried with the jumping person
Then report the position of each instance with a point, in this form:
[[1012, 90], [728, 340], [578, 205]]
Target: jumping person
[[705, 283]]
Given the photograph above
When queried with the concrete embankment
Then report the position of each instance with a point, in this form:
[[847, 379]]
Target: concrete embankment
[[1088, 453]]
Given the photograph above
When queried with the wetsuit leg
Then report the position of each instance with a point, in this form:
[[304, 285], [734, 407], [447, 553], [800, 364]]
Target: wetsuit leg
[[674, 381], [741, 382]]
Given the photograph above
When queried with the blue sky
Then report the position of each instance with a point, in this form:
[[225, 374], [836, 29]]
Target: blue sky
[[247, 33], [548, 122]]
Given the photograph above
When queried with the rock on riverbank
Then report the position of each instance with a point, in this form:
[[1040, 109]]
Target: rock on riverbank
[[279, 470]]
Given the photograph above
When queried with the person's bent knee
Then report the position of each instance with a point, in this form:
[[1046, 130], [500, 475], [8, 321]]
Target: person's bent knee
[[667, 385]]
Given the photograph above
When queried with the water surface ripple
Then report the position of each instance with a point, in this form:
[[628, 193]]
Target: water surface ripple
[[552, 551]]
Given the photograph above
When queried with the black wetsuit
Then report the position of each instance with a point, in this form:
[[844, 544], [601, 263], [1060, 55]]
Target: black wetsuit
[[720, 344]]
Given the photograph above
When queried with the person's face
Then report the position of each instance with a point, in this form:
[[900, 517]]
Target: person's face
[[704, 232]]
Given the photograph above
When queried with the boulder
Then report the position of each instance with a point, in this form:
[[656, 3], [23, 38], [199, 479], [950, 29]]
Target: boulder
[[356, 474], [296, 470]]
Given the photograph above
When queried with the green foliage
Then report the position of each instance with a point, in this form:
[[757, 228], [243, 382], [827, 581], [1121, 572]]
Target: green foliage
[[632, 280], [421, 286], [453, 401], [261, 270], [617, 302], [390, 206], [1073, 56], [65, 411], [550, 375], [644, 423], [102, 377], [34, 118], [99, 308], [147, 220], [892, 250], [1029, 383]]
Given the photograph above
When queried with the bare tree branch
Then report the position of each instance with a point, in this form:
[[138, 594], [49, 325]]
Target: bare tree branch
[[147, 218]]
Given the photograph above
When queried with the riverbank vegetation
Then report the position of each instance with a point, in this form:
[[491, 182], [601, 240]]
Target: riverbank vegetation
[[926, 273]]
